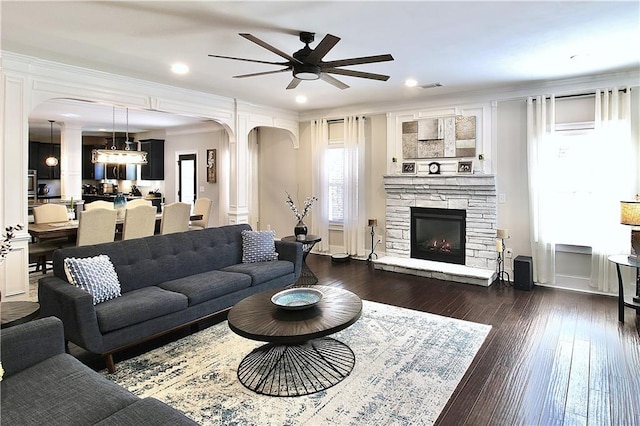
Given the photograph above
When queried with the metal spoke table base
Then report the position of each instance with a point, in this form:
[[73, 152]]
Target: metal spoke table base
[[297, 369]]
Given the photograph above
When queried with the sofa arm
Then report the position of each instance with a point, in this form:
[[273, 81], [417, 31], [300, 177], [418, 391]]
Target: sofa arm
[[28, 344], [292, 252], [74, 307]]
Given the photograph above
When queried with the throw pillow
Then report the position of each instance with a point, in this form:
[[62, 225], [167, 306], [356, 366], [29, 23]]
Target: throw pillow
[[95, 275], [258, 246]]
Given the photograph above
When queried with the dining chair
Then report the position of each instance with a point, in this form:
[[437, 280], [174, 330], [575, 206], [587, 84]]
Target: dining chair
[[47, 213], [96, 226], [203, 207], [138, 202], [139, 222], [175, 218], [99, 204], [41, 251]]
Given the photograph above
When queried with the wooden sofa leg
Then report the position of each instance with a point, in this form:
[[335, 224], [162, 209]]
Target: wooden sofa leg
[[108, 359]]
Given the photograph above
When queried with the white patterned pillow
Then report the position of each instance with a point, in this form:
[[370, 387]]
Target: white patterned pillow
[[258, 246], [95, 275]]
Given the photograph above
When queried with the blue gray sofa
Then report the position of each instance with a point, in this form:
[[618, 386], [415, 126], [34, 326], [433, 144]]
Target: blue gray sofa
[[42, 385], [167, 282]]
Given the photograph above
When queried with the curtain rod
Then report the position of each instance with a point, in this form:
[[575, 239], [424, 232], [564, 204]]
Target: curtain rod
[[578, 95], [341, 120]]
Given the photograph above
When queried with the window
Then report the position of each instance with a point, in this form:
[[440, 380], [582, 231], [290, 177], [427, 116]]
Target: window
[[335, 174]]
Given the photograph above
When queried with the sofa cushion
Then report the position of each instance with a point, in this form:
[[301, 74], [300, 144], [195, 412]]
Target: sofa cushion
[[208, 285], [137, 306], [60, 391], [95, 275], [258, 246], [261, 272], [148, 411]]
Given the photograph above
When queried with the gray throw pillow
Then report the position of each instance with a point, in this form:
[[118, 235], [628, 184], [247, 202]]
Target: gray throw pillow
[[95, 275], [258, 246]]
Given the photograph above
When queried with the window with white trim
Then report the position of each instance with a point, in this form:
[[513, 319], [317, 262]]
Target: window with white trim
[[335, 176]]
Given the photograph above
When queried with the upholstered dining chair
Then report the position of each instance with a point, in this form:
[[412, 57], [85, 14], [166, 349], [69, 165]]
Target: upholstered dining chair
[[138, 202], [203, 207], [47, 213], [139, 222], [41, 251], [99, 204], [175, 218], [96, 226]]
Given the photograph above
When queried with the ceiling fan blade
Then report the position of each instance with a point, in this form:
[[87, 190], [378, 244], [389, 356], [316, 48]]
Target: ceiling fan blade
[[352, 73], [327, 43], [255, 74], [358, 61], [294, 83], [270, 48], [333, 81], [249, 60]]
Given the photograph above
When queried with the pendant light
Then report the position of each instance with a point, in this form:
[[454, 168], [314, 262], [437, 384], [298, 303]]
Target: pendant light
[[118, 156], [51, 160]]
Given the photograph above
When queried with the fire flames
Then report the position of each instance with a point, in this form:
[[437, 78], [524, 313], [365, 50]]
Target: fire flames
[[442, 246]]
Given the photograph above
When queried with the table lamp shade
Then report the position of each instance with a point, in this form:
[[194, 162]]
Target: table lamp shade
[[630, 215], [373, 222]]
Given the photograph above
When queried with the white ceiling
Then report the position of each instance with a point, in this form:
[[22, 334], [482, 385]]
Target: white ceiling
[[465, 46]]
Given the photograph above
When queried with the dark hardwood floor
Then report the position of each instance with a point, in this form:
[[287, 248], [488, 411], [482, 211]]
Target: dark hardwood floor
[[552, 356]]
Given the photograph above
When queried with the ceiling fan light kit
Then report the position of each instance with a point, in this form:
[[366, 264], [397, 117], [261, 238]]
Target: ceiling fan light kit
[[307, 64]]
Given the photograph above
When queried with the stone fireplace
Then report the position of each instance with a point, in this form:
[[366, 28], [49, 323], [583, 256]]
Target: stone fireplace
[[473, 197], [438, 234]]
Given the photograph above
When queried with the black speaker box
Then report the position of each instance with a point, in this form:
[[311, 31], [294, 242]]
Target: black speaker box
[[523, 273]]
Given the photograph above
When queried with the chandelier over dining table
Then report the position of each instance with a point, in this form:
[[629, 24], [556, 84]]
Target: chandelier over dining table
[[119, 156]]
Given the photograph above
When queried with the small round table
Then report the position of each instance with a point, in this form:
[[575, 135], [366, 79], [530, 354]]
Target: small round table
[[629, 302], [307, 277], [300, 359], [18, 312]]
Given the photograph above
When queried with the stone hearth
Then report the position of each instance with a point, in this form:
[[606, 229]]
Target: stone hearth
[[474, 193]]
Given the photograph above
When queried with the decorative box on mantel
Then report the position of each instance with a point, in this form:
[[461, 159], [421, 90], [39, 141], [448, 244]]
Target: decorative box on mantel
[[476, 194]]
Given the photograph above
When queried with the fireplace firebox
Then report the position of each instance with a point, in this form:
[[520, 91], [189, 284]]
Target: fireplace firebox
[[438, 234]]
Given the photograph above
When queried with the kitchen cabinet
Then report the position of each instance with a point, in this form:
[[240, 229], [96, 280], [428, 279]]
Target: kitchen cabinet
[[154, 169], [121, 171], [38, 153]]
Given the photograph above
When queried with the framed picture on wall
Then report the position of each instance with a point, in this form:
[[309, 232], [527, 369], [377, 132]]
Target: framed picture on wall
[[211, 166], [409, 168], [465, 166]]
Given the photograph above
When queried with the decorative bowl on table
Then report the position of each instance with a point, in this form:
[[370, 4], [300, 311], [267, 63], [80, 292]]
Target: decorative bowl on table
[[297, 298]]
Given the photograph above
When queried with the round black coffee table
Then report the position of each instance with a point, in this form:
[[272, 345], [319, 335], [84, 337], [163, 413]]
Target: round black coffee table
[[18, 312], [299, 359]]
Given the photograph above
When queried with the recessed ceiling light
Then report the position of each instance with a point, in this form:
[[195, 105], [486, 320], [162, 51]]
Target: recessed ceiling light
[[70, 115], [179, 68], [301, 99], [410, 82]]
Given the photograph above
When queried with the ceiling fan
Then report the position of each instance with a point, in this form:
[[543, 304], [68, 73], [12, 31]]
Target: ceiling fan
[[307, 63]]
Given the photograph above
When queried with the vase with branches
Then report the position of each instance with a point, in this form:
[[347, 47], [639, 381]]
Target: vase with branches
[[300, 230]]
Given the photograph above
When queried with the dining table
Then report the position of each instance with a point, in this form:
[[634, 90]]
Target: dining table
[[41, 231]]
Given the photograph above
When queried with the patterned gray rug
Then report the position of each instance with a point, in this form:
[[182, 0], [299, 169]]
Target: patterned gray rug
[[408, 364]]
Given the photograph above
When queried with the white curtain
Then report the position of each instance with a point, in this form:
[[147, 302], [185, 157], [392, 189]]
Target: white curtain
[[613, 134], [540, 127], [354, 187], [320, 211]]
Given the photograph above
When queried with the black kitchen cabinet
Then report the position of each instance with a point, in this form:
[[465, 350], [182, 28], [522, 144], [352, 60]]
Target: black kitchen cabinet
[[121, 171], [38, 154], [154, 169]]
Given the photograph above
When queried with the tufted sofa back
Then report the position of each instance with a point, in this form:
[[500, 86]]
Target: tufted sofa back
[[143, 262]]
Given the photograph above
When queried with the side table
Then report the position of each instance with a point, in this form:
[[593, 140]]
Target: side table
[[629, 301], [18, 312], [307, 277]]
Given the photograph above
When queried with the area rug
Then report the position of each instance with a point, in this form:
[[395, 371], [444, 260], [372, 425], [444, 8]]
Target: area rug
[[408, 363]]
